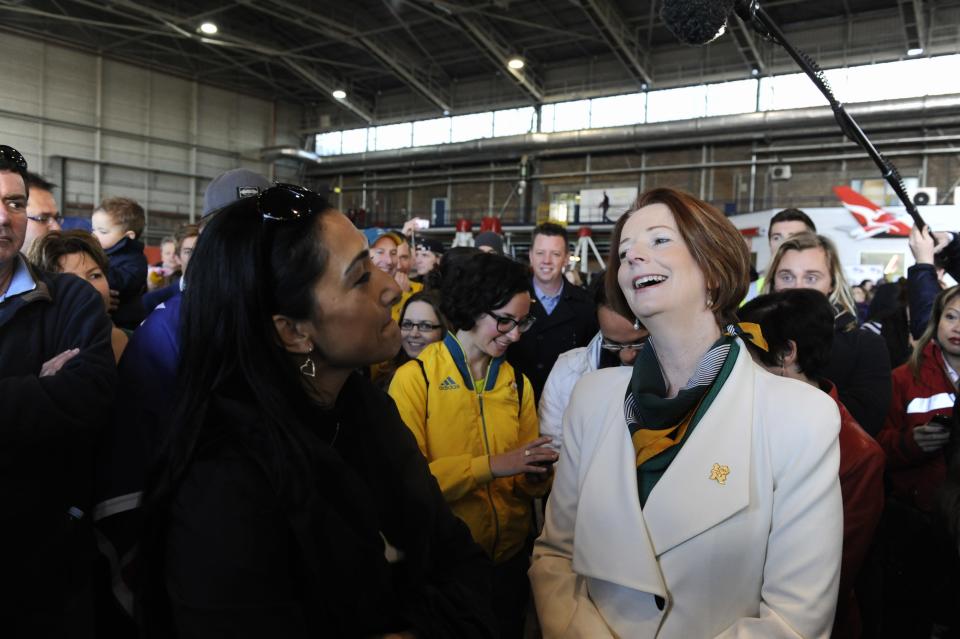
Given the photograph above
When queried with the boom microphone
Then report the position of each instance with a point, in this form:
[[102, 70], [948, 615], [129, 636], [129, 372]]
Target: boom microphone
[[696, 22], [699, 22]]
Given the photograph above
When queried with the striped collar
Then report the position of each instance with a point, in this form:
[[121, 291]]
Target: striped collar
[[645, 405]]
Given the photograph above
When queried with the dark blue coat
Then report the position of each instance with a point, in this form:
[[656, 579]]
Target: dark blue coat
[[128, 276], [48, 432]]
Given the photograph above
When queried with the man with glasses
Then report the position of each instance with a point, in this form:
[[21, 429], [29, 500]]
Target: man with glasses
[[617, 344], [57, 379], [43, 215]]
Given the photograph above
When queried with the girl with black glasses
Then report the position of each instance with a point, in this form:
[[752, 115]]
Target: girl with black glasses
[[291, 501], [475, 419]]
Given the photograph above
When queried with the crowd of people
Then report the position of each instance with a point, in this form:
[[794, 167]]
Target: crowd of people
[[320, 430]]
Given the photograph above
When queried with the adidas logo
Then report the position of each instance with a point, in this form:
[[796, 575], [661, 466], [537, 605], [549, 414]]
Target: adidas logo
[[449, 384]]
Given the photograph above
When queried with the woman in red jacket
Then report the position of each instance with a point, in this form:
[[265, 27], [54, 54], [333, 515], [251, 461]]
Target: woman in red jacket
[[922, 591]]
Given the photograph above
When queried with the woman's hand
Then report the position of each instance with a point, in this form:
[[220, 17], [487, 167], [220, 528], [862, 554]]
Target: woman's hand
[[922, 245], [931, 437], [535, 478], [52, 366], [526, 459]]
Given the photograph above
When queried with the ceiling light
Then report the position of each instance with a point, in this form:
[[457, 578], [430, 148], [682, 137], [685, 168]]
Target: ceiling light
[[754, 71], [340, 94], [516, 63], [915, 51], [209, 28]]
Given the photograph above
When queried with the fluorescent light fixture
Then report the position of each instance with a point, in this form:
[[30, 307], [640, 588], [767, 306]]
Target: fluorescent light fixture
[[340, 94], [915, 51], [209, 28], [516, 63]]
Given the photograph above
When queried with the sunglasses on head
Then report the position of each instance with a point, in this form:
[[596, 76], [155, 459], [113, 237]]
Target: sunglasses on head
[[12, 156], [289, 202]]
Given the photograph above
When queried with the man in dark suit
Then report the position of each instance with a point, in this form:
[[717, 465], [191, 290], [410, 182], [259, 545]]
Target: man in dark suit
[[566, 317]]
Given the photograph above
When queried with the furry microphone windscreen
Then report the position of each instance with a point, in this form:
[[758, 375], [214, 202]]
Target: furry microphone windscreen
[[696, 22]]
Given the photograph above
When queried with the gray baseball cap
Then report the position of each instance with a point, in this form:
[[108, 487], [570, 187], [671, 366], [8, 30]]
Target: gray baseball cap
[[231, 186]]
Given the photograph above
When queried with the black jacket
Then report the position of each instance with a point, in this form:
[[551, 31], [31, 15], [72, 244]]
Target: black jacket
[[240, 562], [860, 369], [48, 430], [572, 323]]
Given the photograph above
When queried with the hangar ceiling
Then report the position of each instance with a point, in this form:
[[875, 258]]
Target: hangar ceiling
[[405, 59]]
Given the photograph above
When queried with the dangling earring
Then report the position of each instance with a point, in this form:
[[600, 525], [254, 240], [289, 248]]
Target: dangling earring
[[308, 368], [636, 324]]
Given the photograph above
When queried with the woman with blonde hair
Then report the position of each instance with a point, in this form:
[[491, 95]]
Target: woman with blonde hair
[[859, 362], [687, 490]]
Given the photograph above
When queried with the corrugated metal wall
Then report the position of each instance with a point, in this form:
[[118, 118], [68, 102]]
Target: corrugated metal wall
[[101, 128]]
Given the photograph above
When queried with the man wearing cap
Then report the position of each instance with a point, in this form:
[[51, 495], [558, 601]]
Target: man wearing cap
[[383, 253], [57, 384], [427, 257], [148, 371]]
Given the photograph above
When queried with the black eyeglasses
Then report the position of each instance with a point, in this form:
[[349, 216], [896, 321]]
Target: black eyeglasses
[[506, 324], [12, 156], [45, 219], [616, 347], [289, 202], [423, 327]]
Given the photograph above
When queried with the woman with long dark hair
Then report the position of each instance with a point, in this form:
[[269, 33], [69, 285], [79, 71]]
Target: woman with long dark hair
[[291, 501]]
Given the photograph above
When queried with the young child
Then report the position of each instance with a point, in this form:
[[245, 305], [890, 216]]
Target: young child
[[117, 224]]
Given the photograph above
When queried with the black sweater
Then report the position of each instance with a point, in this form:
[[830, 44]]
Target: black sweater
[[860, 369], [242, 564]]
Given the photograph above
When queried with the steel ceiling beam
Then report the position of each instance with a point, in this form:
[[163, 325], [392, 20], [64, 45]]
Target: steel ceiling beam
[[747, 45], [913, 23], [612, 25], [396, 61], [328, 85]]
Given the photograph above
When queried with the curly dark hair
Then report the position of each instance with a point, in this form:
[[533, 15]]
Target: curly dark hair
[[478, 284]]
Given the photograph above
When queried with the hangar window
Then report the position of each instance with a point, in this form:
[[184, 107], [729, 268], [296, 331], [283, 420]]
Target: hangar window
[[677, 104], [329, 143], [514, 121], [354, 141], [618, 110], [426, 132], [394, 136], [471, 127], [566, 116], [728, 98], [915, 77]]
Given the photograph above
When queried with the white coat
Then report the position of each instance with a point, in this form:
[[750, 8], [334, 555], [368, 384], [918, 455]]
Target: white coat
[[755, 556], [569, 368]]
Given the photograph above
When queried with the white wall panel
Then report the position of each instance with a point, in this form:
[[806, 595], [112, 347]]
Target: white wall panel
[[153, 133]]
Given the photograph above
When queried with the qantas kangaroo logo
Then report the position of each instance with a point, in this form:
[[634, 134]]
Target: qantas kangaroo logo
[[872, 219]]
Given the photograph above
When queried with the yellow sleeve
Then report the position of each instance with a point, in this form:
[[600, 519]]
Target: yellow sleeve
[[456, 474], [529, 431]]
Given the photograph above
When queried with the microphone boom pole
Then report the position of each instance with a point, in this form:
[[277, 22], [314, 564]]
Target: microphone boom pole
[[751, 12]]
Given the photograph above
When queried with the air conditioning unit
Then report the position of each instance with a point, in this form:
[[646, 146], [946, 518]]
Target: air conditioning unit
[[924, 196], [780, 172]]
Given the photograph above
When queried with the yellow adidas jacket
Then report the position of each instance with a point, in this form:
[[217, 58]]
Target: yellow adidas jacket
[[458, 429]]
